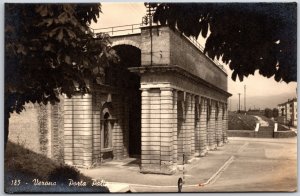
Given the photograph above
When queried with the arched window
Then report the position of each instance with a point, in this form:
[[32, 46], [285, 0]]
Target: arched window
[[107, 124], [106, 130]]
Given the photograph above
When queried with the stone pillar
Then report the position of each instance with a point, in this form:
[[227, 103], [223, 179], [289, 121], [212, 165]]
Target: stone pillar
[[192, 126], [78, 125], [85, 127], [225, 124], [209, 125], [167, 128], [219, 124], [68, 131], [180, 125], [175, 125], [203, 126], [96, 129], [197, 136], [146, 160], [212, 127], [188, 126], [208, 111], [157, 131]]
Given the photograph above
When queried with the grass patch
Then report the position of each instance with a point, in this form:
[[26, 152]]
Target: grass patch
[[248, 122], [272, 122], [25, 165], [241, 121]]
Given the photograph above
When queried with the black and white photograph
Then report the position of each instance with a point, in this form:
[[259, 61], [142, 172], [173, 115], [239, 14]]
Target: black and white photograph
[[150, 97]]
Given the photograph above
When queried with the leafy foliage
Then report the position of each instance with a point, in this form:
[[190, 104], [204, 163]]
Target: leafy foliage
[[268, 113], [49, 50], [63, 173], [275, 112], [247, 36]]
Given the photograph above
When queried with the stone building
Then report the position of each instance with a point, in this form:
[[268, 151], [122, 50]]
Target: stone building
[[288, 112], [165, 99]]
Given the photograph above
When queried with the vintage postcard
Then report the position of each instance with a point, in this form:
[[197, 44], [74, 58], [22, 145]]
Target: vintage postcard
[[150, 97]]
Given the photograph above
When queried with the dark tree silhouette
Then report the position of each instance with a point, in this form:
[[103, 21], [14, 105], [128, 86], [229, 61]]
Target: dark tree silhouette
[[49, 50], [268, 113], [247, 36], [275, 112]]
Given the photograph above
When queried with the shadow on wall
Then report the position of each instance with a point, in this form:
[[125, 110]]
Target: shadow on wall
[[40, 129]]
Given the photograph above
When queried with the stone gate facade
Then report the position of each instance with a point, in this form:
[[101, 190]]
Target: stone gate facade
[[165, 100]]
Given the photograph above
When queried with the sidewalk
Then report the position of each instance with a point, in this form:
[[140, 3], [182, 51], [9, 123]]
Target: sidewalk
[[126, 173]]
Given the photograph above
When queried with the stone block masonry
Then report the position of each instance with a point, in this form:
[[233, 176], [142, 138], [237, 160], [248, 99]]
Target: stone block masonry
[[40, 128], [181, 97], [78, 148], [203, 127], [176, 105], [219, 134]]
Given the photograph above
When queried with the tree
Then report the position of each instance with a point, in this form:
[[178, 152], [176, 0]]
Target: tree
[[275, 112], [247, 36], [49, 51], [268, 113]]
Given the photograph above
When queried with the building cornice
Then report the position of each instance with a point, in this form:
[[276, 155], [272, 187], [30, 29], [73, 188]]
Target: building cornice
[[178, 70]]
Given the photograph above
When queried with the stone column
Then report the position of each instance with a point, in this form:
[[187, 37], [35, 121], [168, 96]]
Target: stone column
[[167, 128], [219, 124], [78, 125], [209, 125], [212, 127], [68, 131], [187, 127], [146, 162], [225, 124], [157, 131], [84, 124], [203, 126], [96, 129], [175, 125], [192, 126], [180, 125], [208, 111], [197, 137]]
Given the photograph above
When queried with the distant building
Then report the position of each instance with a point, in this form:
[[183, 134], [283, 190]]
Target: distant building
[[288, 112]]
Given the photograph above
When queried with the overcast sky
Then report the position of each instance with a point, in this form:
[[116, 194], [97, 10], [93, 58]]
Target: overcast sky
[[116, 14]]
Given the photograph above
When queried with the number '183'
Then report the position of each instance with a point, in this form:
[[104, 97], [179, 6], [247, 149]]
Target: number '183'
[[15, 182]]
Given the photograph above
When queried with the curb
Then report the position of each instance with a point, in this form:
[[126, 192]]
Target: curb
[[211, 180]]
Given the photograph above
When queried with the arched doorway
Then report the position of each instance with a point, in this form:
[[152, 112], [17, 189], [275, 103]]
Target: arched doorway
[[129, 85]]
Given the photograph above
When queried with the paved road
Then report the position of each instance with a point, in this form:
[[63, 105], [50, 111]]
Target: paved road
[[262, 122], [259, 165]]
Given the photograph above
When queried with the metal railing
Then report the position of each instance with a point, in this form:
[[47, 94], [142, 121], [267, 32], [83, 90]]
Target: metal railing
[[136, 28], [119, 30]]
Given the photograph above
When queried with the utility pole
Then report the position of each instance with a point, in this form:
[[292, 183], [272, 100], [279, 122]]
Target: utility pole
[[245, 98], [239, 102]]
